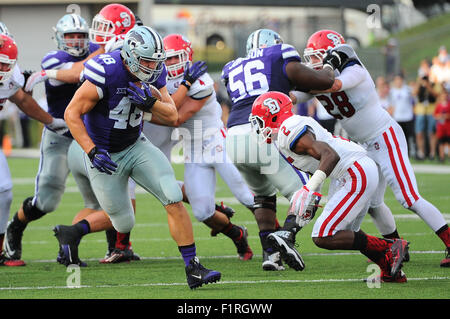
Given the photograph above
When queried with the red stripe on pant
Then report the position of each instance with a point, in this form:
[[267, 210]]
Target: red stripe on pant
[[342, 203], [402, 163], [361, 192], [394, 164]]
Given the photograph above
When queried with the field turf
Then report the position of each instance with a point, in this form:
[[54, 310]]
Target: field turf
[[160, 274]]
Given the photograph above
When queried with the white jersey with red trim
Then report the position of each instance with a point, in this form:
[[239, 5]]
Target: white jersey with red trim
[[294, 127], [11, 86], [210, 114], [357, 105]]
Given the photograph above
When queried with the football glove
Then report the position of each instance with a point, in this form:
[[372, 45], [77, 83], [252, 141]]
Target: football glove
[[35, 78], [304, 205], [102, 161], [59, 126], [142, 98], [192, 73]]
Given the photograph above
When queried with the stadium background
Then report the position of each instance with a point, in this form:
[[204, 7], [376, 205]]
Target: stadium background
[[218, 30]]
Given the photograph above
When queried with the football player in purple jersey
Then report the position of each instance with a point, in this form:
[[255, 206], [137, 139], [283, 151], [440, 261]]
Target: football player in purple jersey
[[71, 35], [105, 118]]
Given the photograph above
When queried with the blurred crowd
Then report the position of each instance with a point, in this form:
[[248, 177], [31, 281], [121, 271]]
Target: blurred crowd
[[421, 107]]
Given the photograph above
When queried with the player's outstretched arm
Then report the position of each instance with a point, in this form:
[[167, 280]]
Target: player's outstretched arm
[[84, 100], [30, 107], [306, 79]]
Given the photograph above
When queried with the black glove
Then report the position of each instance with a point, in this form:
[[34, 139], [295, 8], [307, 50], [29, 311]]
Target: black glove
[[335, 59], [192, 73], [142, 98]]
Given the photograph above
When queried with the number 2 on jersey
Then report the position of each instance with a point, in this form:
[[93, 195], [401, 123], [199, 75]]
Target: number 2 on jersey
[[340, 100]]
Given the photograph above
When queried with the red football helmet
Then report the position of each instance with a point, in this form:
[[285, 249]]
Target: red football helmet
[[114, 19], [179, 46], [318, 44], [8, 57], [269, 110]]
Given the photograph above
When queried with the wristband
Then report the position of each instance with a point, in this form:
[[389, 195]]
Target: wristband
[[316, 180], [92, 152], [186, 84], [51, 73], [147, 116]]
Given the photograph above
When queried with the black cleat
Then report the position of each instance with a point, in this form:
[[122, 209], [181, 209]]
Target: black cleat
[[13, 241], [284, 242], [446, 261], [69, 240], [197, 275]]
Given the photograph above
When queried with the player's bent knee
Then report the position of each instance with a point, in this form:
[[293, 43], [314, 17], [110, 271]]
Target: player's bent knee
[[170, 189], [320, 242], [123, 224], [203, 209]]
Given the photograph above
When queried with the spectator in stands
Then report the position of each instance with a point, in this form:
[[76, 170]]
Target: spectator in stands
[[383, 90], [437, 70], [442, 116], [402, 102], [425, 125], [424, 69]]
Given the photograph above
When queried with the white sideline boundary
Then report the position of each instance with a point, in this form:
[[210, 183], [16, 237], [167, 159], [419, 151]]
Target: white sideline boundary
[[248, 282]]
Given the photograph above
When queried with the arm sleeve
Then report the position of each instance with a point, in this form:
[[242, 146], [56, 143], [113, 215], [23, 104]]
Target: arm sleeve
[[352, 76]]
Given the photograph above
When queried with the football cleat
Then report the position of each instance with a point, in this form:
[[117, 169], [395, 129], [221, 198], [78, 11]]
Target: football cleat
[[272, 261], [243, 249], [13, 241], [5, 261], [446, 261], [111, 250], [61, 259], [197, 275], [284, 242], [398, 249], [69, 240], [118, 256], [400, 277]]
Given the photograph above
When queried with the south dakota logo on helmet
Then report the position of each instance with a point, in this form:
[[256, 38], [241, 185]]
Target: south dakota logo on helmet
[[143, 53]]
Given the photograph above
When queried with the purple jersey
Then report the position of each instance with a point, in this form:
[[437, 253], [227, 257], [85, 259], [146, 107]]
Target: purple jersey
[[261, 71], [59, 93], [93, 47], [114, 123]]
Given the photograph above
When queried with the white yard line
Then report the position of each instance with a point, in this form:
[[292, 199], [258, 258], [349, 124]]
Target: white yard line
[[237, 282]]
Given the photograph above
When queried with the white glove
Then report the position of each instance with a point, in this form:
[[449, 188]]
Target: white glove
[[114, 43], [35, 78], [59, 126], [304, 204]]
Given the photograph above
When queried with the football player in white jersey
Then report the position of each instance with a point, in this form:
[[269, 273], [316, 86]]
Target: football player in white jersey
[[354, 179], [200, 125], [354, 102], [11, 82]]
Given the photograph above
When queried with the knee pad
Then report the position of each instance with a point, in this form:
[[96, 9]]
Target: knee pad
[[269, 202], [30, 211]]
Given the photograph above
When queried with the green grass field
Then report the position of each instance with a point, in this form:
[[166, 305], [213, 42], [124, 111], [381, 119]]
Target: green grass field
[[160, 273]]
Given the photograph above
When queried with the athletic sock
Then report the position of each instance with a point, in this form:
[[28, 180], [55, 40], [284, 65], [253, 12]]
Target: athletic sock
[[444, 235], [233, 232], [393, 235], [111, 237], [187, 252], [122, 241], [82, 227], [263, 238], [17, 224], [373, 248]]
